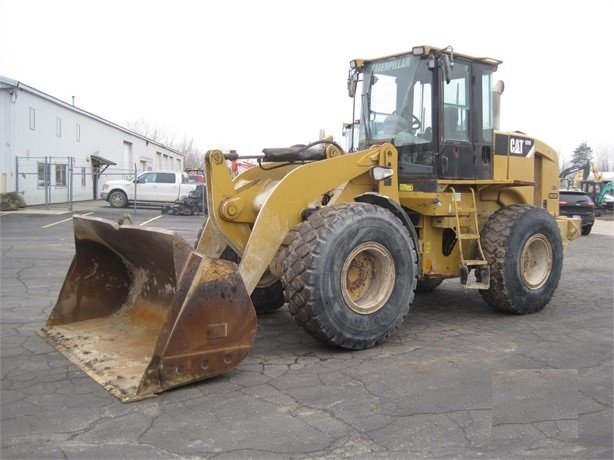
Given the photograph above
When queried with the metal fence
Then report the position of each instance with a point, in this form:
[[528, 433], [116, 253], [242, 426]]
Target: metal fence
[[61, 181]]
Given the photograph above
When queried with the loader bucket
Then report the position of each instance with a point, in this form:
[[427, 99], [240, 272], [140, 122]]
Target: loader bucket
[[140, 311]]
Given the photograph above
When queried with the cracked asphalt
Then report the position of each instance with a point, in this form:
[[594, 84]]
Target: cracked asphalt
[[456, 381]]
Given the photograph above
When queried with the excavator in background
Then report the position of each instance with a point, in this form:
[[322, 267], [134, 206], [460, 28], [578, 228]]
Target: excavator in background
[[429, 189], [591, 181], [580, 173], [599, 189], [602, 194]]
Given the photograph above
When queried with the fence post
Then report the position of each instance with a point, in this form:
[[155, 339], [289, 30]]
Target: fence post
[[47, 180], [135, 186], [17, 174], [70, 184]]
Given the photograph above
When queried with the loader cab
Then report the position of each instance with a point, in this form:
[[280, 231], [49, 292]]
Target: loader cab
[[436, 107]]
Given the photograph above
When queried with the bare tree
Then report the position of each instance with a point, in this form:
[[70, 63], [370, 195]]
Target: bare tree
[[604, 158], [154, 133], [192, 156]]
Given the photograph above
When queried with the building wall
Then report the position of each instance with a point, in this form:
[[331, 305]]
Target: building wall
[[44, 142]]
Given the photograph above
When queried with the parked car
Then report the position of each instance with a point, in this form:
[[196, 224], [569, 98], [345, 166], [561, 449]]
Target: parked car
[[151, 188], [575, 203]]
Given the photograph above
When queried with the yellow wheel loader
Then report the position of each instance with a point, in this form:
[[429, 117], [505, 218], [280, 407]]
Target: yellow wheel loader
[[428, 189]]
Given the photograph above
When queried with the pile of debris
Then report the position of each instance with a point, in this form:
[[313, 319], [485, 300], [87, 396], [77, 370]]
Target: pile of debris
[[11, 201]]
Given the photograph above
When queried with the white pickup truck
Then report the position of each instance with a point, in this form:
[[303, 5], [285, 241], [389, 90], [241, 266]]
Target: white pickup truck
[[150, 188]]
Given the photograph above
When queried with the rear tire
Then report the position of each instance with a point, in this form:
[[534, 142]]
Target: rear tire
[[349, 274], [524, 249], [587, 230]]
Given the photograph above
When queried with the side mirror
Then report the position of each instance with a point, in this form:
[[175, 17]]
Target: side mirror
[[447, 68], [353, 77]]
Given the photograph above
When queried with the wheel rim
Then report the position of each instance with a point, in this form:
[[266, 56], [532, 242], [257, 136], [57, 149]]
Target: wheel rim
[[267, 280], [117, 200], [367, 278], [536, 261]]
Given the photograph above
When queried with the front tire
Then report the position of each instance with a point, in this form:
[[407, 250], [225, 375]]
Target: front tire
[[427, 285], [350, 274], [118, 199], [524, 249]]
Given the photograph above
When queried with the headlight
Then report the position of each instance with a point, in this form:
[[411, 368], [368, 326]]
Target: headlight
[[381, 173]]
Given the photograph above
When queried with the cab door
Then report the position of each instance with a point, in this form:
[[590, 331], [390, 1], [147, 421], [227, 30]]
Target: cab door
[[146, 187], [457, 155], [457, 158], [466, 123], [168, 186]]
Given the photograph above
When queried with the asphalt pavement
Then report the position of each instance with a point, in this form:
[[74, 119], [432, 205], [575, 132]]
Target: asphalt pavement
[[457, 380]]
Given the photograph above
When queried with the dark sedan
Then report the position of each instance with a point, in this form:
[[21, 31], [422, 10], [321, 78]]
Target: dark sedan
[[575, 203]]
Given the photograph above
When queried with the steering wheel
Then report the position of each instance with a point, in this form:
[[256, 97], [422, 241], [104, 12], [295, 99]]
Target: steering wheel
[[415, 123]]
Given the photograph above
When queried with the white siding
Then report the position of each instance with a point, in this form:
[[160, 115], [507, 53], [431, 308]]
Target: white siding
[[61, 131]]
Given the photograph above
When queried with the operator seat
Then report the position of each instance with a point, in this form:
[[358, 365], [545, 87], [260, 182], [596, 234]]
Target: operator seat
[[450, 125]]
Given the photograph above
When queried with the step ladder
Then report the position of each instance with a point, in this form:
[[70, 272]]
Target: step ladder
[[480, 265]]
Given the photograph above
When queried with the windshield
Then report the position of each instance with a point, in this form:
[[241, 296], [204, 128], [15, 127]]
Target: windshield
[[396, 107], [396, 101]]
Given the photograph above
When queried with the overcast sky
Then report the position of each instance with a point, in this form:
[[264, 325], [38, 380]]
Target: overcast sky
[[246, 75]]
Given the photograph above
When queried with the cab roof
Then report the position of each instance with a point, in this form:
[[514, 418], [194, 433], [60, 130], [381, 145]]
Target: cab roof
[[425, 50]]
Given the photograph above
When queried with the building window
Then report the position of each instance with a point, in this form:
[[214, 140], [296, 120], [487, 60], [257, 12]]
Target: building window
[[78, 132], [60, 175], [32, 119], [43, 174], [58, 126], [82, 176]]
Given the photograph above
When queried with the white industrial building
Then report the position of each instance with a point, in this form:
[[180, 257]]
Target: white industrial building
[[54, 152]]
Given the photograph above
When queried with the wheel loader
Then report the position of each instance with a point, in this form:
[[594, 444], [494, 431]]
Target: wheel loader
[[428, 188]]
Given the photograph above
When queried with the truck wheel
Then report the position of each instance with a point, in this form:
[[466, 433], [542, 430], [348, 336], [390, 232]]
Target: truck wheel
[[524, 249], [269, 296], [427, 285], [349, 274], [587, 230], [118, 199]]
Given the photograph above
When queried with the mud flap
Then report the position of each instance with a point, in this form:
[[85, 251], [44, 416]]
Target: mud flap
[[140, 311]]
